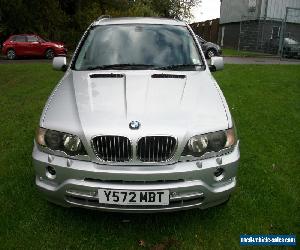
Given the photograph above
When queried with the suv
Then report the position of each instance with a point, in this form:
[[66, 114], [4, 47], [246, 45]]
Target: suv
[[31, 45], [137, 123]]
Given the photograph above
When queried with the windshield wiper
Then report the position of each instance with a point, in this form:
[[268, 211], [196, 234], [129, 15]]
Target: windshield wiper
[[121, 66], [179, 66]]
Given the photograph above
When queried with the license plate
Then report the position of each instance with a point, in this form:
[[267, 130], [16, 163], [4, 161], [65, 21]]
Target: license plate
[[129, 197]]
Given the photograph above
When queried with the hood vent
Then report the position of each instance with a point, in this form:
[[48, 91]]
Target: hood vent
[[107, 75], [168, 76]]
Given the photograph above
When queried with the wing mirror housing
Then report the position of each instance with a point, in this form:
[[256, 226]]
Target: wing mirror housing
[[216, 63], [60, 63]]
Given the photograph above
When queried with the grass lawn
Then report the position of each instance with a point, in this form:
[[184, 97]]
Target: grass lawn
[[265, 102], [241, 53]]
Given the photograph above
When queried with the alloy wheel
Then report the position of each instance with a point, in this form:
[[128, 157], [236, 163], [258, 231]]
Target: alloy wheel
[[11, 54]]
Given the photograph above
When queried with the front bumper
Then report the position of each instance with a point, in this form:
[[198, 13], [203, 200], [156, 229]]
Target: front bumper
[[191, 184], [60, 51]]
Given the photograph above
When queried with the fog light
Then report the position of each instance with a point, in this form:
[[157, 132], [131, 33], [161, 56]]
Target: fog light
[[50, 172], [219, 172]]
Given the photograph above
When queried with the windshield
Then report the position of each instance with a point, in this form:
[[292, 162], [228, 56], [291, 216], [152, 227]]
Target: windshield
[[201, 40], [138, 46], [43, 39]]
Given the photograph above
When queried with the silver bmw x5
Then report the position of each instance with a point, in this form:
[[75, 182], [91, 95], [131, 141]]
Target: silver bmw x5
[[137, 123]]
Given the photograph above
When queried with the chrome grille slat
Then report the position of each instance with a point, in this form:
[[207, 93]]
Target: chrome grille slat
[[105, 145], [149, 148], [156, 148], [102, 144], [119, 151], [108, 148], [152, 147], [157, 153]]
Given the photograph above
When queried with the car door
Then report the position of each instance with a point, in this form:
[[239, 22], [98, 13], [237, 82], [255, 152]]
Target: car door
[[34, 46], [20, 45]]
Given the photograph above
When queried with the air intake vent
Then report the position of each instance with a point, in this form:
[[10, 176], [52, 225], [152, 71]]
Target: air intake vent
[[156, 148], [106, 76], [112, 148], [168, 76]]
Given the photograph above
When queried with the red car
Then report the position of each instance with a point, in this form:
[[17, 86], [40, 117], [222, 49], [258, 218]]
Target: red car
[[31, 45]]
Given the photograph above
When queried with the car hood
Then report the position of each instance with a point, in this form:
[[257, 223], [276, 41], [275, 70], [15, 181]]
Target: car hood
[[104, 103]]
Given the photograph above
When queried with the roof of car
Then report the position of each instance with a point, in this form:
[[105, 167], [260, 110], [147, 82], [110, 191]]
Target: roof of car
[[139, 20], [24, 35]]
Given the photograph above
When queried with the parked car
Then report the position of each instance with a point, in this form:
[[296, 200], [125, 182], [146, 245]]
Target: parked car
[[31, 45], [137, 123], [209, 49], [291, 47]]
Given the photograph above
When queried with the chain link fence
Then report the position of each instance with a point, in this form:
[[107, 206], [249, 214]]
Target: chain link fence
[[289, 44], [272, 36]]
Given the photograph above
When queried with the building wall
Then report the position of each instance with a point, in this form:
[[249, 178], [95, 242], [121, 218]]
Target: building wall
[[293, 30], [253, 24], [241, 10], [277, 9], [230, 38], [238, 10], [256, 36]]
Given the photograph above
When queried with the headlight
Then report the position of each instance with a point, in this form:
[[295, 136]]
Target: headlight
[[198, 144], [55, 140], [59, 46], [216, 141]]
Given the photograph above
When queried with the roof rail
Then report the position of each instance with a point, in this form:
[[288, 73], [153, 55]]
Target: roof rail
[[103, 16], [177, 19]]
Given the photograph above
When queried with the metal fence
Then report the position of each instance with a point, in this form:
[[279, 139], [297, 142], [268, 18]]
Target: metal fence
[[289, 44], [208, 30], [274, 36]]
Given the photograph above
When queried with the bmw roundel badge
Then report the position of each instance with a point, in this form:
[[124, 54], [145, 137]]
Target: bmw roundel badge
[[134, 125]]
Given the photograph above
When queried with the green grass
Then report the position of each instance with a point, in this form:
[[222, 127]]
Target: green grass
[[265, 102], [243, 53]]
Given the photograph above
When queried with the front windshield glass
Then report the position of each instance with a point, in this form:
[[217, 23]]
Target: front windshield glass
[[138, 46], [43, 40]]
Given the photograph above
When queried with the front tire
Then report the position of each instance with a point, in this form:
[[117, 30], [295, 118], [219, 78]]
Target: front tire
[[211, 53], [11, 54], [49, 54]]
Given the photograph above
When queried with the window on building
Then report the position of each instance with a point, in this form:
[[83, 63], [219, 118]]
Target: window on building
[[275, 32]]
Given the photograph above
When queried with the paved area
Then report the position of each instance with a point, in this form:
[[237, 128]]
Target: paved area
[[259, 60]]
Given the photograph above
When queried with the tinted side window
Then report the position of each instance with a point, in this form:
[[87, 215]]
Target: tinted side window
[[31, 39], [20, 39]]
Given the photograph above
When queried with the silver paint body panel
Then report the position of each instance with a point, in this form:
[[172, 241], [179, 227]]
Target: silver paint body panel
[[178, 107]]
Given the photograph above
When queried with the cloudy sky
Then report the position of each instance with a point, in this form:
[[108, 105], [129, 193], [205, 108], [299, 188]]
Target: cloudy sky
[[208, 9]]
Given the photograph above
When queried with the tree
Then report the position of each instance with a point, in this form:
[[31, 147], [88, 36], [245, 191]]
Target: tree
[[180, 9], [66, 20]]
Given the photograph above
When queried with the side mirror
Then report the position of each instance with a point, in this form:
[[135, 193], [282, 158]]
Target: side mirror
[[216, 63], [60, 63]]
